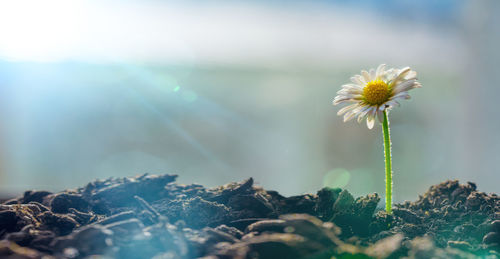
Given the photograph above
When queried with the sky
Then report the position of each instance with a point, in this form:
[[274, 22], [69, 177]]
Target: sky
[[217, 32], [221, 91]]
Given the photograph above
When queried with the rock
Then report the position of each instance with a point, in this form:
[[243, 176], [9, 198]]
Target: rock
[[11, 250], [463, 245], [90, 240], [271, 246], [122, 193], [11, 201], [299, 204], [41, 239], [217, 236], [8, 220], [326, 199], [34, 196], [473, 201], [491, 238], [242, 224], [236, 233], [60, 223], [126, 227], [412, 230], [354, 216], [407, 215], [495, 226], [222, 194], [21, 238], [198, 213], [344, 202], [117, 217], [302, 224], [40, 207], [61, 203], [272, 225], [81, 217], [251, 205], [312, 228], [365, 206]]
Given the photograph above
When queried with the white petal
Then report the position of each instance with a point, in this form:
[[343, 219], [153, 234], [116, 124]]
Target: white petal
[[349, 115], [389, 75], [380, 71], [359, 80], [366, 76], [342, 96], [411, 75], [347, 108], [373, 75], [404, 71], [402, 95], [401, 75], [352, 96], [350, 91], [404, 86], [338, 100], [380, 115], [392, 103], [363, 113], [341, 99], [370, 120], [352, 86]]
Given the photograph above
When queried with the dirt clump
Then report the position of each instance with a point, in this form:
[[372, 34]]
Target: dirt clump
[[151, 216]]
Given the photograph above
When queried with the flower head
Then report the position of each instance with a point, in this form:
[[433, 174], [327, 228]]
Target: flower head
[[374, 91]]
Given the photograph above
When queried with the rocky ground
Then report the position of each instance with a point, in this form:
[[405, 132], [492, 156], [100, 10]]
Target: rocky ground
[[150, 216]]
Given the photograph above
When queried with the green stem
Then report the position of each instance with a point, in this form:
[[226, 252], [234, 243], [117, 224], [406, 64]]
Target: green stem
[[388, 164]]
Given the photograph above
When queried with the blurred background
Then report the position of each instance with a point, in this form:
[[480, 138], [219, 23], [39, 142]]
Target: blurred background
[[219, 91]]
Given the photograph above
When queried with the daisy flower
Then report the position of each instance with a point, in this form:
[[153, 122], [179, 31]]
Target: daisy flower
[[375, 91], [372, 94]]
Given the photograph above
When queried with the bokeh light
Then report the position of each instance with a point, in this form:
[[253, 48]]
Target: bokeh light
[[336, 178]]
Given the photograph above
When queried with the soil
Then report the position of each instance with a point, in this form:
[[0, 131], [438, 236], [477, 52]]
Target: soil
[[151, 216]]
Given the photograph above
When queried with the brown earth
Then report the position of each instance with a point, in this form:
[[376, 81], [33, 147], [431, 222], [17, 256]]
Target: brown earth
[[150, 216]]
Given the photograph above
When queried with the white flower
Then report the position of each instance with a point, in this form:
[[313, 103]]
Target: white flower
[[374, 91]]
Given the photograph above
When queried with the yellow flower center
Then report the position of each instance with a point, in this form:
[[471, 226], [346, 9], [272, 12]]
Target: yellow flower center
[[376, 92]]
